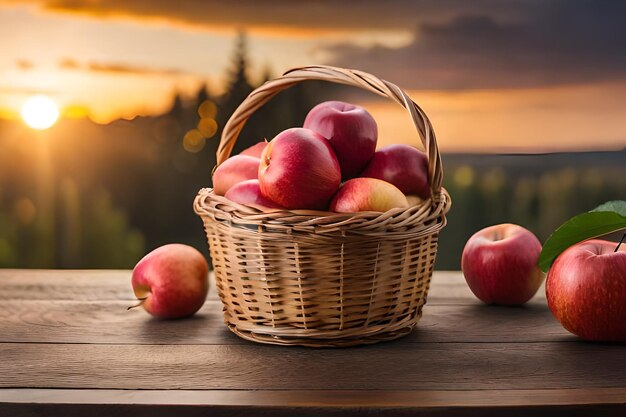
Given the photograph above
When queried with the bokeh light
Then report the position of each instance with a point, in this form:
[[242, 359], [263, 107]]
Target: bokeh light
[[25, 210], [193, 141], [207, 110], [208, 127], [464, 176]]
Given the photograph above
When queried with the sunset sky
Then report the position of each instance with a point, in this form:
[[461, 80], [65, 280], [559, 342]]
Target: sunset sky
[[517, 75]]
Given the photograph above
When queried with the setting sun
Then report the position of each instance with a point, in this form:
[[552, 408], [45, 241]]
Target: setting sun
[[40, 112]]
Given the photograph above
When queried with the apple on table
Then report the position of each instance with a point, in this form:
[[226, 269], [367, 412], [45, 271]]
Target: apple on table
[[500, 264], [171, 281], [586, 290]]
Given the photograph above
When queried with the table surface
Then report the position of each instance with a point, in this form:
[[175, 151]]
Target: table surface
[[68, 346]]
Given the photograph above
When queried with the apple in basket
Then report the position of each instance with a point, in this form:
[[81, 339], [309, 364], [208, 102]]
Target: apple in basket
[[500, 264], [367, 194], [402, 165], [248, 193], [299, 170], [233, 171], [171, 281], [255, 150], [351, 131], [586, 290]]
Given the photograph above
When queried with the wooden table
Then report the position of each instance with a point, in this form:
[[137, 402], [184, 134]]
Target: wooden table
[[68, 347]]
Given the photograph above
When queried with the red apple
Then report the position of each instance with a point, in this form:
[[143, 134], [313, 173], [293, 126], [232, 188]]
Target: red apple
[[586, 291], [500, 264], [402, 165], [299, 170], [351, 131], [249, 194], [255, 150], [171, 281], [367, 194], [234, 170]]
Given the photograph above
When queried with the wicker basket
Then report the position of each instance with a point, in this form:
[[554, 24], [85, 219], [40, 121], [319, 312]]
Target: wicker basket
[[310, 278]]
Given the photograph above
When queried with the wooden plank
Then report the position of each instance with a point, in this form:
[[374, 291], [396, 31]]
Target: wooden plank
[[109, 322], [428, 366], [448, 287], [335, 398], [87, 285], [133, 410]]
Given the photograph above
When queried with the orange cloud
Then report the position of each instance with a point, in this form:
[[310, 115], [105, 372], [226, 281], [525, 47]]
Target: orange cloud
[[278, 15], [24, 64], [116, 68]]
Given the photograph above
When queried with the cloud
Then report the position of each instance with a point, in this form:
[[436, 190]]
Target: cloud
[[564, 43], [24, 64], [116, 68], [69, 64], [457, 44], [129, 69], [16, 90], [279, 15]]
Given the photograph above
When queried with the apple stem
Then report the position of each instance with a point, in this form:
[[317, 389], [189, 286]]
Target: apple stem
[[620, 242], [141, 301]]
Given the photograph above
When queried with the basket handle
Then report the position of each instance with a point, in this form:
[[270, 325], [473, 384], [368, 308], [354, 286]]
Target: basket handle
[[355, 78]]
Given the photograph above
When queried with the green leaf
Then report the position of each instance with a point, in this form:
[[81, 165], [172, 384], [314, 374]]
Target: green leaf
[[607, 218], [616, 206]]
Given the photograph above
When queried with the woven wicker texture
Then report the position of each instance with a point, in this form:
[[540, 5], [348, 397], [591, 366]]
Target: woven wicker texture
[[310, 278]]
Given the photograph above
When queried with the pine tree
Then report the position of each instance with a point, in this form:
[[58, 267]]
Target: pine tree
[[201, 96], [178, 107], [239, 85], [237, 90]]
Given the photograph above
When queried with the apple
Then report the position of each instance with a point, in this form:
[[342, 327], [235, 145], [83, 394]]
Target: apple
[[255, 150], [234, 170], [367, 194], [414, 200], [500, 264], [402, 165], [351, 131], [299, 170], [171, 281], [586, 290], [249, 193]]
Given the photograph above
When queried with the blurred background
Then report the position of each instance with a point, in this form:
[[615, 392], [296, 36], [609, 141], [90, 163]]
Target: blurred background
[[111, 112]]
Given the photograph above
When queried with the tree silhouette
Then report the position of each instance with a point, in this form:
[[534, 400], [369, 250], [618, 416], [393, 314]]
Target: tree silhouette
[[238, 87], [201, 96]]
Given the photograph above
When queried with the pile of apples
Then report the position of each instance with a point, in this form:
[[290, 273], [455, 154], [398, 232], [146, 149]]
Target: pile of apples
[[329, 164]]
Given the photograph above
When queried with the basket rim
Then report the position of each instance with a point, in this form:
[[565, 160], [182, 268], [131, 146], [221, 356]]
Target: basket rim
[[425, 218]]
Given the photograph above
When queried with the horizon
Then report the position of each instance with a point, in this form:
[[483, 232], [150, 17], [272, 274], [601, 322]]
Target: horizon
[[491, 151]]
